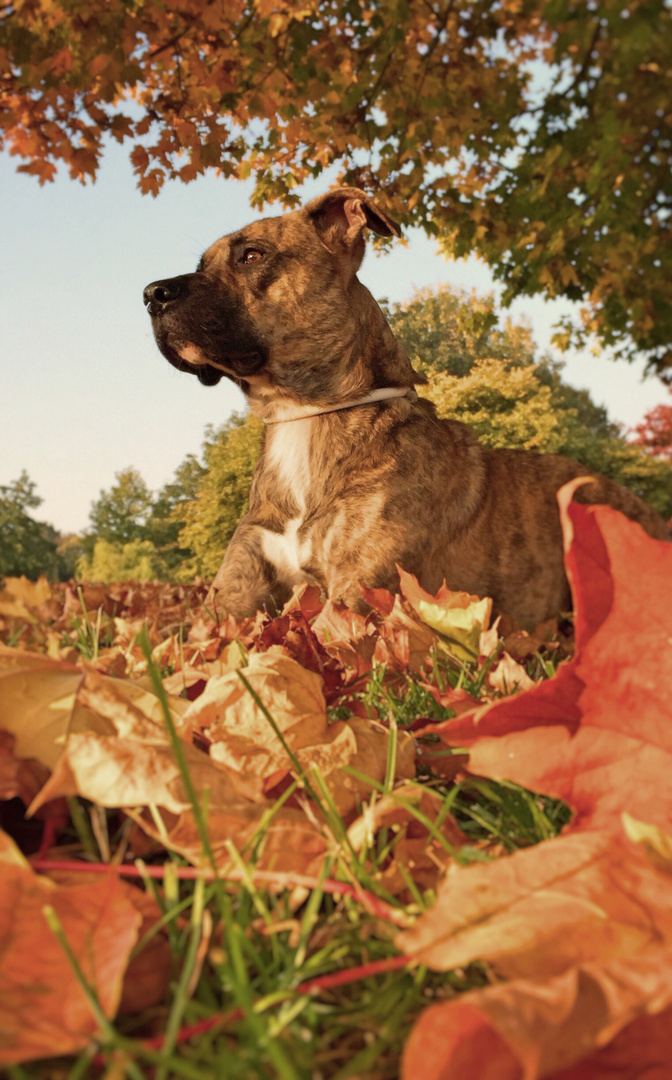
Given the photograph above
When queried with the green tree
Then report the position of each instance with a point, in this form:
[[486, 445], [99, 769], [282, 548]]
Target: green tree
[[535, 133], [166, 518], [120, 514], [26, 546], [446, 329], [137, 560], [134, 533], [230, 455]]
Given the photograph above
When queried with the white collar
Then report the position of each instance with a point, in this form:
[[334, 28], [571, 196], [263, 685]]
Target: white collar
[[300, 412]]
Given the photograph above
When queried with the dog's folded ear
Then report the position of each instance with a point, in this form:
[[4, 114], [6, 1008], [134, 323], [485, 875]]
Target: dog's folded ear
[[341, 214]]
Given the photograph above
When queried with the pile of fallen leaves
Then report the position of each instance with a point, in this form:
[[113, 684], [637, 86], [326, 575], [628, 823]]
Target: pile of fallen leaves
[[279, 846]]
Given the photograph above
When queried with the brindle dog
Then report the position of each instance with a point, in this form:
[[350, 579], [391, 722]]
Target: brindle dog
[[356, 474]]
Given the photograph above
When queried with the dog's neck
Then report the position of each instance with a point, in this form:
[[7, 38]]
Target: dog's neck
[[289, 411], [333, 367]]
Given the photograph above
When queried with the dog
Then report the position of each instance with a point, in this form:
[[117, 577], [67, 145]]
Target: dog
[[357, 474]]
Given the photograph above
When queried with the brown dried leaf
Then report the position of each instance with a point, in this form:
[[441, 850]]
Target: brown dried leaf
[[582, 925], [414, 848], [44, 1010], [244, 741]]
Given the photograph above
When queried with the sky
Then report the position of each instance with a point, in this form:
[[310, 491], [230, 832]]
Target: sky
[[84, 391]]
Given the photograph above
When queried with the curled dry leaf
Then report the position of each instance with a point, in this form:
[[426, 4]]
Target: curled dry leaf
[[244, 741], [346, 636], [598, 734], [459, 617], [19, 595], [37, 703], [42, 701], [415, 848], [148, 972], [134, 764], [44, 1010], [22, 777], [530, 1030], [404, 640], [582, 925], [584, 897], [289, 843], [509, 677]]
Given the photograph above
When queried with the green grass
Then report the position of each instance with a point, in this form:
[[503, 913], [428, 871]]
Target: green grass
[[263, 948]]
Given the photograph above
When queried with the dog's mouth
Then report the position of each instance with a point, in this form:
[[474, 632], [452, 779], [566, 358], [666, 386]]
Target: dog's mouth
[[208, 369]]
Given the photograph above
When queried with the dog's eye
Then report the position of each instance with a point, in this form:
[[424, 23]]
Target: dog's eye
[[251, 255]]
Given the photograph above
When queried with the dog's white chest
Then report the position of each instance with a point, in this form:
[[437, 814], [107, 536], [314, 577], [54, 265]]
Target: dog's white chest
[[289, 455], [286, 552]]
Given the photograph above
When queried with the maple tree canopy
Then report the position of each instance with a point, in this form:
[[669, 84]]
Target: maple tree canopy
[[535, 133]]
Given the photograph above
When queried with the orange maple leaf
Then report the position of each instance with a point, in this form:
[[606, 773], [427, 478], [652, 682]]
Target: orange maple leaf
[[44, 1009], [599, 734], [582, 927]]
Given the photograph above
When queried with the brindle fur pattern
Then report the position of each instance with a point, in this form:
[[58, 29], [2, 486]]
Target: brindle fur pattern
[[340, 498]]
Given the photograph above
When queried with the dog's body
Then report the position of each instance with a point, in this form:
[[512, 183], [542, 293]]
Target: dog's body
[[347, 489]]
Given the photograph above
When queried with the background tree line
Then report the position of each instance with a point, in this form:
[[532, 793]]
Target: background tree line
[[480, 371]]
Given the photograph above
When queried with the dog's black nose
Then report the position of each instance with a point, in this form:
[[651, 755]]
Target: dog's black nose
[[159, 294]]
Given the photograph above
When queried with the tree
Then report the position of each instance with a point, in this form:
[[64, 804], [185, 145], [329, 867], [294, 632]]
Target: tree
[[135, 533], [137, 560], [536, 133], [490, 377], [28, 547], [166, 518], [120, 514], [446, 329], [230, 455], [655, 432]]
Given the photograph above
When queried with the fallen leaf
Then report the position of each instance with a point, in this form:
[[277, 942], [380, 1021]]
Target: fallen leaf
[[44, 1010], [288, 842], [509, 677], [19, 595], [244, 741], [42, 701], [459, 617], [415, 848], [404, 640], [527, 1030], [581, 925], [598, 734], [579, 898]]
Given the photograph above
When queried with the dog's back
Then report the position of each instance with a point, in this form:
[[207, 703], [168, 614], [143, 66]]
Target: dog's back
[[520, 535]]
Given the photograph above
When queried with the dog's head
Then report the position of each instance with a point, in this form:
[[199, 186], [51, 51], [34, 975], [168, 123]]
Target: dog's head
[[274, 302]]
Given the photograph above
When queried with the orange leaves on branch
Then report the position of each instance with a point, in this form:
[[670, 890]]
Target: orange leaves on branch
[[421, 105]]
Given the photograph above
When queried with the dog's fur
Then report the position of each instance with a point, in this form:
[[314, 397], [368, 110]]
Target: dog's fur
[[340, 498]]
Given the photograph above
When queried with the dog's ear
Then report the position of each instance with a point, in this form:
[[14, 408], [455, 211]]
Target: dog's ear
[[340, 216]]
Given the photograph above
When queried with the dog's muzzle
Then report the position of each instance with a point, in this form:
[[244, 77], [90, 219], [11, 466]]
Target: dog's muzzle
[[187, 317]]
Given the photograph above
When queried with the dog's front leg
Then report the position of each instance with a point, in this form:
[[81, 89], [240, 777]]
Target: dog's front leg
[[246, 581]]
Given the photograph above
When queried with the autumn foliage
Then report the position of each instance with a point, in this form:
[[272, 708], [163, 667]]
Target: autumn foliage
[[261, 758], [536, 134]]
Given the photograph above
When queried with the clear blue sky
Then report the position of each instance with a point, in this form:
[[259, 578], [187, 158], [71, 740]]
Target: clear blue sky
[[84, 390]]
